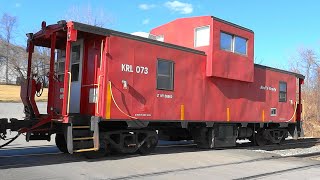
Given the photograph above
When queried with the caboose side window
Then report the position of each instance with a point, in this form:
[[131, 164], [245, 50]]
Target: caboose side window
[[75, 60], [202, 36], [282, 91], [233, 43], [240, 45], [226, 41], [60, 63], [165, 69]]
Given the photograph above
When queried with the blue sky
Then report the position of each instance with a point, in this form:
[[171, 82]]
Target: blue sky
[[281, 27]]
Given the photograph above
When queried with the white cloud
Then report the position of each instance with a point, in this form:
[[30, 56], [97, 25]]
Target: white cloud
[[146, 21], [146, 6], [180, 7], [18, 5]]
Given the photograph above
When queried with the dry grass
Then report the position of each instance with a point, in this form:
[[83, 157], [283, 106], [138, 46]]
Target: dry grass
[[11, 93], [311, 128]]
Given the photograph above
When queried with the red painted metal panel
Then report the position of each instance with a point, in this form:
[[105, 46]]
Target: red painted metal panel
[[91, 71], [205, 98], [220, 63], [142, 99], [231, 65], [247, 100], [51, 90], [181, 32], [57, 105]]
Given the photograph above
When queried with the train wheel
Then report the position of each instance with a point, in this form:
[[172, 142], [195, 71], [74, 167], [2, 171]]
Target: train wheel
[[260, 140], [61, 143], [149, 145], [281, 141]]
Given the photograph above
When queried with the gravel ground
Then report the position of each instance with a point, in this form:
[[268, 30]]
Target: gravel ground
[[15, 110], [293, 152]]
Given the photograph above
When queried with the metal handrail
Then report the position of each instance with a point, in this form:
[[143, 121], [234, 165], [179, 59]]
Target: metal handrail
[[98, 91], [69, 89], [88, 85], [99, 77]]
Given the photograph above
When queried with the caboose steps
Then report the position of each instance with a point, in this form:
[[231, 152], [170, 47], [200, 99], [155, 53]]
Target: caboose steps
[[86, 150], [81, 127], [83, 137]]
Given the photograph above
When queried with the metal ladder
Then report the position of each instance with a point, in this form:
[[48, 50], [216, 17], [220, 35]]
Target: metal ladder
[[83, 137]]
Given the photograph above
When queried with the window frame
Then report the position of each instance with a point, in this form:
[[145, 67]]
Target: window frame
[[77, 62], [60, 58], [271, 109], [233, 42], [172, 73], [234, 45], [286, 92], [195, 35]]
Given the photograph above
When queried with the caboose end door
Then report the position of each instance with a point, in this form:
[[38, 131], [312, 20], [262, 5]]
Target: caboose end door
[[76, 57]]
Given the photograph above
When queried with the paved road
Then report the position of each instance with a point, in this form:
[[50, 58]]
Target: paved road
[[42, 160], [15, 110]]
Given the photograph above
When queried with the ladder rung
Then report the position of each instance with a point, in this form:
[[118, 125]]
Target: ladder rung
[[132, 145], [57, 120], [80, 127], [85, 150], [83, 138]]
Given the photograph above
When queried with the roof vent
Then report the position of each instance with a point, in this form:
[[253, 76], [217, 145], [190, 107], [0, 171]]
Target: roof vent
[[149, 36]]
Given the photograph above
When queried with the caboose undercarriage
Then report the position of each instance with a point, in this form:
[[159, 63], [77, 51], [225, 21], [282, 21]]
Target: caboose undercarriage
[[98, 138]]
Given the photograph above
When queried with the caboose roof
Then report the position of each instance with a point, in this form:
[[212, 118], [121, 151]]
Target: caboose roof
[[215, 19], [107, 32], [279, 70], [231, 24]]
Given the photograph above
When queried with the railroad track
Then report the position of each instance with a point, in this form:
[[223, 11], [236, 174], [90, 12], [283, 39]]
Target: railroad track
[[179, 170], [273, 173], [288, 144]]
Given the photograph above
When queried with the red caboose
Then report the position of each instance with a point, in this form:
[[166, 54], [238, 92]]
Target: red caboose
[[197, 80]]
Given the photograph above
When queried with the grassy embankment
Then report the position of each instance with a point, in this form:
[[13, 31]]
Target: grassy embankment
[[11, 93]]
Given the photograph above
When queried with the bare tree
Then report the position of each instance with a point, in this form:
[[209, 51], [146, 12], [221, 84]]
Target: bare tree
[[87, 15], [307, 62], [8, 24]]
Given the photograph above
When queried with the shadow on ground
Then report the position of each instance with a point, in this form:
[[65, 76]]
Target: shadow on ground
[[18, 157]]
